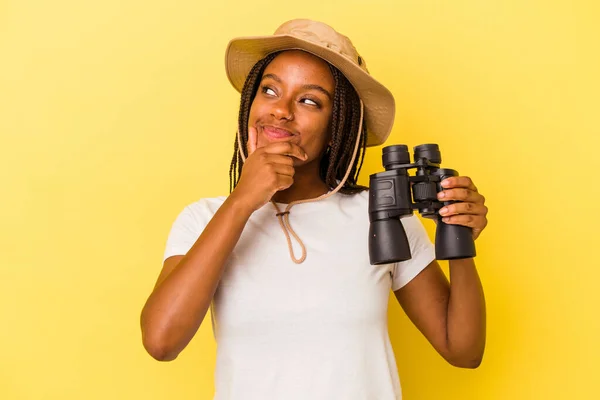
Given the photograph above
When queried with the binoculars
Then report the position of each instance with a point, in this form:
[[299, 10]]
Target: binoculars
[[390, 198]]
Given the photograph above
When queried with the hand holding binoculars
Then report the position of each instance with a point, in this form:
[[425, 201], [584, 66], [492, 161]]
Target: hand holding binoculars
[[391, 195]]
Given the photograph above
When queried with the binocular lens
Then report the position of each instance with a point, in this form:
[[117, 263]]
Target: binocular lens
[[428, 151], [394, 156]]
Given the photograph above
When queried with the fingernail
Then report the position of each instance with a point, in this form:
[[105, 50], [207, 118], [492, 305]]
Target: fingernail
[[446, 219], [441, 195], [305, 156], [444, 211], [445, 183]]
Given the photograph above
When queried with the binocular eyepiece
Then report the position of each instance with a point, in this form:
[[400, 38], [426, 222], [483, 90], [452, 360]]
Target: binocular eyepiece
[[391, 195]]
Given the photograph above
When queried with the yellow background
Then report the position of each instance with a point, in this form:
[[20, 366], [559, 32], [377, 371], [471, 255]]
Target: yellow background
[[114, 115]]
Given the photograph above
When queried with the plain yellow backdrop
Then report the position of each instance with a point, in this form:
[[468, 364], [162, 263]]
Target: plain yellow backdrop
[[114, 115]]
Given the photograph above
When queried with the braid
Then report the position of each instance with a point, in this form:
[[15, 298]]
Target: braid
[[248, 93], [344, 127]]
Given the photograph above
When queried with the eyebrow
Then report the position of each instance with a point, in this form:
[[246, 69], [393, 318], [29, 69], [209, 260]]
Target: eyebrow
[[308, 86]]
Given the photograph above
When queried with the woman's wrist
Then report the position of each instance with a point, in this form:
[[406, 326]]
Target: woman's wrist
[[239, 206]]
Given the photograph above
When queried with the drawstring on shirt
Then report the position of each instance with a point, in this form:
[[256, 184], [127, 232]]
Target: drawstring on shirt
[[284, 216]]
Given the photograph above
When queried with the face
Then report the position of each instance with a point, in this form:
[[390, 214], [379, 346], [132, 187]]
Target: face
[[294, 103]]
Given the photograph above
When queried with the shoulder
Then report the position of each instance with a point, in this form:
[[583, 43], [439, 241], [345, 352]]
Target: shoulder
[[203, 209], [189, 224], [207, 204]]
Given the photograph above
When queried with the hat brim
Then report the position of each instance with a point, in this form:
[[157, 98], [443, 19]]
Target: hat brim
[[379, 104]]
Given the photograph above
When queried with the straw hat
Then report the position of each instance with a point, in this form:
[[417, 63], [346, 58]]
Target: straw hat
[[323, 41]]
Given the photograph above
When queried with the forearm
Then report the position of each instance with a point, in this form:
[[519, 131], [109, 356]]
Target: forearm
[[466, 318], [180, 301]]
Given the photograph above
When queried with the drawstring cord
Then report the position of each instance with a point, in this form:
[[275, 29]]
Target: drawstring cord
[[284, 216]]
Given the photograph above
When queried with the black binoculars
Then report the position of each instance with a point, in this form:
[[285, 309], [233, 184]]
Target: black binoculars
[[390, 198]]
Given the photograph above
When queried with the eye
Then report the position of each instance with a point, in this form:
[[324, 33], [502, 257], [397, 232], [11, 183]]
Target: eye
[[268, 90], [310, 102]]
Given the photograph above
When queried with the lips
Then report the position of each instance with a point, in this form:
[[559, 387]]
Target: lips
[[275, 133]]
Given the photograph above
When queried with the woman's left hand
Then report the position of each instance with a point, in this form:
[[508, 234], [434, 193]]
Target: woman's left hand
[[471, 211]]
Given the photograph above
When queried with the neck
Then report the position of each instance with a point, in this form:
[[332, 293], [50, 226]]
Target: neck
[[307, 185]]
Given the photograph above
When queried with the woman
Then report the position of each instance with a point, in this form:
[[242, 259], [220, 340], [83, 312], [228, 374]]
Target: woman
[[308, 320]]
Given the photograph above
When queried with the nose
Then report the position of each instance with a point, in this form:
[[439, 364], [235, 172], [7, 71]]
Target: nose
[[282, 110]]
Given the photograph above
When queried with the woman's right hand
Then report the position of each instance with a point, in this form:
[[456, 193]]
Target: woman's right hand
[[266, 171]]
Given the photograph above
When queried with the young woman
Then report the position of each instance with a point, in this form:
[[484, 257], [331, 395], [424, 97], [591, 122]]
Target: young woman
[[299, 312]]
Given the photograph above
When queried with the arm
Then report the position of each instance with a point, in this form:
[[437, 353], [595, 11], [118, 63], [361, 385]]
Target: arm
[[452, 315], [186, 285]]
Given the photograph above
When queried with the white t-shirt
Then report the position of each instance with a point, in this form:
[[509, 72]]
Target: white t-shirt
[[311, 331]]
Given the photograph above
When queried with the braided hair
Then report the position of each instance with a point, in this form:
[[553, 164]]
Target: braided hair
[[344, 128]]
